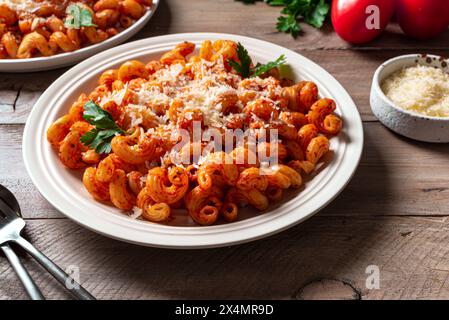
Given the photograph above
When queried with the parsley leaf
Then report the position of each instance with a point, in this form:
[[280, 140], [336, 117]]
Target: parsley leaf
[[99, 138], [78, 16], [98, 117], [262, 68], [312, 12], [288, 24], [245, 69], [104, 147], [89, 136], [316, 16]]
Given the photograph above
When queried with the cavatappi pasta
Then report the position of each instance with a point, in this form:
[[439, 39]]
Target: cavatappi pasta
[[153, 101], [30, 28]]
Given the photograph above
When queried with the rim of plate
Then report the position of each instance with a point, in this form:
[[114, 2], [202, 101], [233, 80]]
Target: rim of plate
[[69, 58], [37, 156]]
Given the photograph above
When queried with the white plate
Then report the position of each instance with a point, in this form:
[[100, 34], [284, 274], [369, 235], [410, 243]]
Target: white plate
[[69, 58], [63, 188]]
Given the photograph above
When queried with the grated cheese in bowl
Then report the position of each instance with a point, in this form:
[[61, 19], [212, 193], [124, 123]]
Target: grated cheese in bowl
[[22, 5], [420, 89]]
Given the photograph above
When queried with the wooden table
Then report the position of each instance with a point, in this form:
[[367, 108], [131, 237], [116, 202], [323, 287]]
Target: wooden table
[[394, 213]]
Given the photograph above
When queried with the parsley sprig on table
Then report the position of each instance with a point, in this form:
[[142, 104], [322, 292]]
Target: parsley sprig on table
[[78, 16], [312, 12], [245, 69], [99, 138]]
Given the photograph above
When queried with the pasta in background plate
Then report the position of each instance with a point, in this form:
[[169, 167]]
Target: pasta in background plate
[[31, 28], [136, 134]]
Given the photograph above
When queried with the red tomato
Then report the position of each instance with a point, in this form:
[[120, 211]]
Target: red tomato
[[423, 19], [360, 21]]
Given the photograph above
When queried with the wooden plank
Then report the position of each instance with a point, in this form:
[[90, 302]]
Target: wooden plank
[[300, 263], [13, 174], [259, 21], [23, 90], [401, 177], [396, 176], [20, 91]]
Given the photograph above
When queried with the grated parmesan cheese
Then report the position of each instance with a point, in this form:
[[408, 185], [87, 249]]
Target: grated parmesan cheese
[[22, 5], [31, 6], [420, 89], [206, 93], [136, 213]]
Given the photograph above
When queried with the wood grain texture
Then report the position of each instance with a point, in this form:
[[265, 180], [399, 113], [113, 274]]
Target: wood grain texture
[[388, 180], [259, 21], [13, 174], [328, 289], [19, 92], [411, 254], [393, 214]]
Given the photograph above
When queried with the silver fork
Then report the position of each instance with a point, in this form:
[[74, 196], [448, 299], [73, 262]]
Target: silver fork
[[10, 227], [30, 287]]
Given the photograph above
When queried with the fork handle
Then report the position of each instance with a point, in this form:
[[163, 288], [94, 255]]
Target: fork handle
[[76, 290], [30, 287]]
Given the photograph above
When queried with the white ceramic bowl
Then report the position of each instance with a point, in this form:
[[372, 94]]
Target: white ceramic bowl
[[63, 188], [70, 58], [412, 125]]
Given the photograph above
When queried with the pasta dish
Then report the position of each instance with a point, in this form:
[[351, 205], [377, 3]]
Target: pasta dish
[[208, 131], [30, 28]]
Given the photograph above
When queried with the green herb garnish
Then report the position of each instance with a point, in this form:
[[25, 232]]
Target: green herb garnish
[[263, 68], [78, 16], [288, 24], [99, 138], [245, 69], [312, 12]]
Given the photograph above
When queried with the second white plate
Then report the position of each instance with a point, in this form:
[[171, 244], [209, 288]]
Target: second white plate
[[69, 58], [63, 188]]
